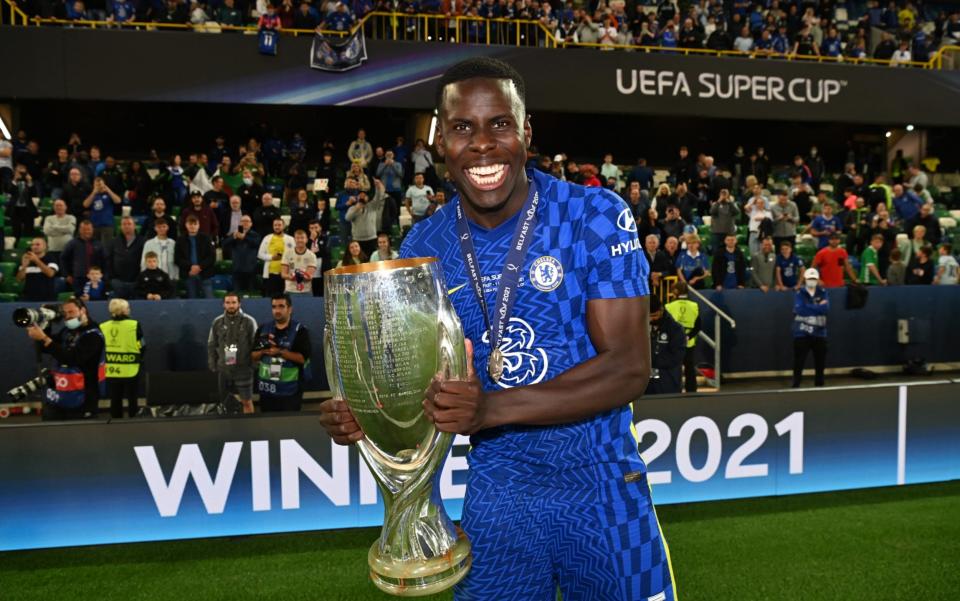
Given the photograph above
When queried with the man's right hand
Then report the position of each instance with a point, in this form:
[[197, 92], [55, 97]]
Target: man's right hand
[[338, 421]]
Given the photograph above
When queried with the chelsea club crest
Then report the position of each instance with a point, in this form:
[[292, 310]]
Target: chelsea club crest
[[546, 273]]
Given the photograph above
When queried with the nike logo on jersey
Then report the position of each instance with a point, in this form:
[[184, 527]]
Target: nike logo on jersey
[[452, 290]]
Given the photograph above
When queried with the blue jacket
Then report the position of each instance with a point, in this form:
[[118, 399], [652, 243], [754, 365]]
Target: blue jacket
[[809, 316], [908, 205]]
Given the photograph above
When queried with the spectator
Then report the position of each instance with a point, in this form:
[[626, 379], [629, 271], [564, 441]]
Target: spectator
[[164, 248], [423, 161], [906, 204], [913, 246], [763, 266], [79, 255], [610, 170], [947, 267], [229, 219], [37, 271], [364, 217], [692, 264], [346, 198], [20, 209], [282, 355], [124, 347], [897, 270], [729, 265], [301, 213], [230, 346], [153, 283], [902, 55], [59, 228], [785, 216], [250, 193], [920, 268], [870, 262], [418, 198], [78, 349], [831, 261], [685, 201], [243, 246], [272, 248], [824, 226], [761, 221], [195, 257], [810, 308], [390, 172], [94, 288], [661, 265], [229, 15], [6, 162], [216, 198], [639, 207], [723, 213], [56, 174], [917, 176], [360, 152], [641, 173], [138, 185], [353, 255], [266, 215], [305, 18], [299, 266], [206, 217], [788, 268], [673, 225], [159, 211], [99, 204], [744, 41], [123, 255], [383, 252]]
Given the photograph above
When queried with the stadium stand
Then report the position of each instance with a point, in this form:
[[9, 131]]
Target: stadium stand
[[898, 34]]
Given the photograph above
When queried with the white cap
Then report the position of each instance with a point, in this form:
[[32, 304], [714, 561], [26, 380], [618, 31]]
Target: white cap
[[558, 158], [811, 274]]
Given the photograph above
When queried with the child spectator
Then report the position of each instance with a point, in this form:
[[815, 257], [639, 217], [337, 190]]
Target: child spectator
[[870, 262], [897, 271], [692, 264], [299, 265], [947, 267], [153, 283], [94, 288], [789, 267]]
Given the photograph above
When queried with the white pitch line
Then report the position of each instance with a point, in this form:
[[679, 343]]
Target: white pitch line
[[388, 90], [902, 438]]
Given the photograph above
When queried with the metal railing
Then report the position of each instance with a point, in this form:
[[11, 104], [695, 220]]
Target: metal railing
[[469, 29], [714, 342]]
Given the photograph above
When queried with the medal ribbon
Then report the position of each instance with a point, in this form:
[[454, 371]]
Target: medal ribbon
[[510, 275]]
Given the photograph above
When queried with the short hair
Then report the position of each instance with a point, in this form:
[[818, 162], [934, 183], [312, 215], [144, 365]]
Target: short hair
[[284, 297], [480, 67], [786, 243], [84, 222], [118, 307], [314, 222], [876, 237], [299, 231], [150, 255], [94, 268], [895, 254], [680, 288], [192, 219], [947, 247], [76, 302], [161, 221], [232, 293]]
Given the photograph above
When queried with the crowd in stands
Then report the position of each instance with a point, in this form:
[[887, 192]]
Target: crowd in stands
[[263, 218], [909, 31]]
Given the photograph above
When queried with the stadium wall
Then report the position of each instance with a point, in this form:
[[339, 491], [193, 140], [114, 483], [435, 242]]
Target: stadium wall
[[82, 483], [176, 331], [224, 68]]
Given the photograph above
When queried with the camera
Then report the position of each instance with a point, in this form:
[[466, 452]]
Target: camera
[[20, 393], [262, 342], [24, 317]]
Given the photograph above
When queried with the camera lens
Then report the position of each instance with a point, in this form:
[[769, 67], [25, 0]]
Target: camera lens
[[23, 317]]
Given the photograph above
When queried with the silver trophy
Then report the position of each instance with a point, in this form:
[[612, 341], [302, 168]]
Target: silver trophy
[[390, 328]]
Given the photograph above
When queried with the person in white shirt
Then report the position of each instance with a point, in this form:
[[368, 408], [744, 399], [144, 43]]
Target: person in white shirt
[[383, 252], [756, 209], [418, 198], [901, 55], [164, 248], [59, 227], [948, 270], [299, 265], [421, 157]]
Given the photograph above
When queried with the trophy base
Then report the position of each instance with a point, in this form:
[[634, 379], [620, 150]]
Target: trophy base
[[420, 578]]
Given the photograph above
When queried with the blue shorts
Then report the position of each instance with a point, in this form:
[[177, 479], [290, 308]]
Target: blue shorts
[[594, 544]]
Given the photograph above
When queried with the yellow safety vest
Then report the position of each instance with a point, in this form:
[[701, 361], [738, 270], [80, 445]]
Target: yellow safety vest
[[123, 348], [685, 313]]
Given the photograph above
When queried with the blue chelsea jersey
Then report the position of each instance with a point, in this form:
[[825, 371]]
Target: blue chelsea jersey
[[585, 248]]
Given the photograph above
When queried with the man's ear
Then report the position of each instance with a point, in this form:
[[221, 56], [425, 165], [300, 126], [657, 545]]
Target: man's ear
[[438, 140], [527, 131]]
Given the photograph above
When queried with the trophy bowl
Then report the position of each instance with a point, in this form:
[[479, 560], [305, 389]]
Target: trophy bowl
[[390, 328]]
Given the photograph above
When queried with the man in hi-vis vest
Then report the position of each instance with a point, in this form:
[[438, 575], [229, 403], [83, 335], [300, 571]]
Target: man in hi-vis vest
[[124, 341], [687, 313]]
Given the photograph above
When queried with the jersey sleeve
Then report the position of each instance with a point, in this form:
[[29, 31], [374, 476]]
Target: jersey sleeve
[[615, 263]]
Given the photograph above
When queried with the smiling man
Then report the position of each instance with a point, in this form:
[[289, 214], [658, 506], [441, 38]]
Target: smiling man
[[549, 284]]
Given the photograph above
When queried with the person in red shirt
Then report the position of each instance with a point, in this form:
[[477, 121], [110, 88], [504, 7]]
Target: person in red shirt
[[831, 261]]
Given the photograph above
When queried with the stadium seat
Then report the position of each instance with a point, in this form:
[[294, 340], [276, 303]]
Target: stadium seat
[[8, 271], [225, 266], [7, 297], [24, 243], [64, 296], [222, 282], [11, 256]]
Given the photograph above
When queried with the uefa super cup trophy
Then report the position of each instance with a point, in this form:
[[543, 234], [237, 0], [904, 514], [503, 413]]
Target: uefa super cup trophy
[[389, 329]]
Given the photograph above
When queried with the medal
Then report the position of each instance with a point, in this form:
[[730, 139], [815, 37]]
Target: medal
[[495, 365]]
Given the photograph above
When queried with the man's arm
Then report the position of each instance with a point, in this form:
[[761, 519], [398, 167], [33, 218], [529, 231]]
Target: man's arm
[[618, 329]]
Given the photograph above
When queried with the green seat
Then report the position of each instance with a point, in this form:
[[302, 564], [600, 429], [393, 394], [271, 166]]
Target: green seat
[[12, 256], [63, 296], [12, 286], [219, 293], [24, 243], [225, 266], [7, 297], [8, 270], [250, 294]]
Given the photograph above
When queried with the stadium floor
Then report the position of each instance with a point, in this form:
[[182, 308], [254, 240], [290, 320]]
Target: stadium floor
[[888, 543]]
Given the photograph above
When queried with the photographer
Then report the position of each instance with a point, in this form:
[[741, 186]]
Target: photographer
[[124, 349], [78, 379], [281, 353]]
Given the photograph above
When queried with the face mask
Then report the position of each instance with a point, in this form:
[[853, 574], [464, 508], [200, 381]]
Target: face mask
[[73, 323], [248, 181], [811, 285]]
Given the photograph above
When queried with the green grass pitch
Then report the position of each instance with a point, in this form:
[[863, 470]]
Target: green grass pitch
[[900, 543]]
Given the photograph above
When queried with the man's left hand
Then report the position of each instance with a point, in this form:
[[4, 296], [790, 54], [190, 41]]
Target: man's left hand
[[457, 406], [36, 333]]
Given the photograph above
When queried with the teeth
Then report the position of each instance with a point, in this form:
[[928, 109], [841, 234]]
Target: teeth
[[486, 170]]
